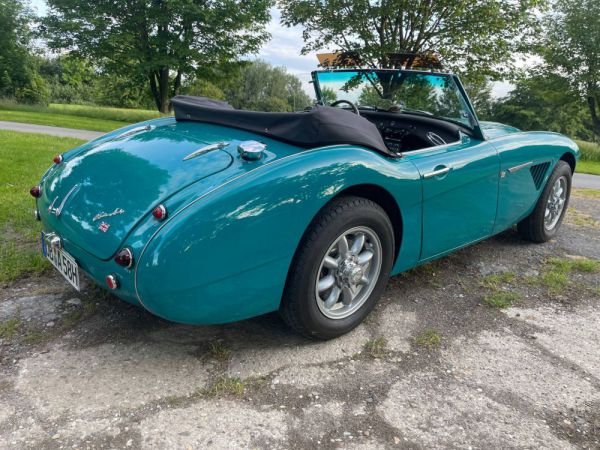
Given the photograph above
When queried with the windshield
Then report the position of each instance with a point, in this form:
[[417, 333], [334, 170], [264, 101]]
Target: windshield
[[395, 90]]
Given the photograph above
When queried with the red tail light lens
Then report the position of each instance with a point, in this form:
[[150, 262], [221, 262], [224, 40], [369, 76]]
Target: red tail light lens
[[111, 282], [160, 212], [124, 258], [57, 159], [36, 191]]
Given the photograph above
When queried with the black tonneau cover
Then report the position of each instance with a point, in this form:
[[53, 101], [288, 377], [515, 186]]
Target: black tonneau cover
[[320, 126]]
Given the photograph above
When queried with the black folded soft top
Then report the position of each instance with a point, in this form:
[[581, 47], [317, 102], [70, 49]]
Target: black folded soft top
[[317, 127]]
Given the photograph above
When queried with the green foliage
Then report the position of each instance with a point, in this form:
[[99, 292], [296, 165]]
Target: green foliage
[[376, 347], [18, 76], [590, 151], [590, 167], [571, 46], [544, 102], [9, 328], [469, 36], [204, 88], [74, 116], [428, 339], [23, 158], [262, 87], [159, 41], [501, 299], [224, 387]]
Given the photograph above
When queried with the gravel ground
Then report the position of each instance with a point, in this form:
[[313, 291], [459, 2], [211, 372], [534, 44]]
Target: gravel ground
[[434, 366]]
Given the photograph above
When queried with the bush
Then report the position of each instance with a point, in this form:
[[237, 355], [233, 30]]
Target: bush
[[590, 151], [35, 92]]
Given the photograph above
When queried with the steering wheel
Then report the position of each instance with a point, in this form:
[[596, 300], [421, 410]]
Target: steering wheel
[[347, 102]]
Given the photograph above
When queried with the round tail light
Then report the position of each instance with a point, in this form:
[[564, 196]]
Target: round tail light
[[160, 212], [36, 191], [124, 258], [111, 282], [57, 159]]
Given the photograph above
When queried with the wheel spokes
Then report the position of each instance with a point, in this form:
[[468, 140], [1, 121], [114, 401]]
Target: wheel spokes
[[343, 246], [365, 257], [358, 244], [333, 297], [347, 295], [326, 282], [330, 262]]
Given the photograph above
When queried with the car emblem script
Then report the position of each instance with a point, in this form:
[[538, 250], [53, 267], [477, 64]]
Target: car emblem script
[[103, 227], [104, 215]]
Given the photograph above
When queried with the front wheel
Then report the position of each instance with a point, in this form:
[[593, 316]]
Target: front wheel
[[340, 268], [543, 223]]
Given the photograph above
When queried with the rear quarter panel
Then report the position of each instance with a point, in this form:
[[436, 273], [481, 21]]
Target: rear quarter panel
[[226, 256]]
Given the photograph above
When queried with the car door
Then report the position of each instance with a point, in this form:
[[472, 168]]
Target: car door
[[460, 194]]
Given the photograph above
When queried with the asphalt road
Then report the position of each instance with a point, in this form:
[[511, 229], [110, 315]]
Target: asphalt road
[[53, 131], [580, 180]]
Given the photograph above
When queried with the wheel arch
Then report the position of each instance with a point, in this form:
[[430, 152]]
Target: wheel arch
[[569, 158], [383, 198]]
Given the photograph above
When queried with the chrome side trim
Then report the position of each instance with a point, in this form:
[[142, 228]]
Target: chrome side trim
[[135, 131], [58, 211], [520, 167], [206, 149]]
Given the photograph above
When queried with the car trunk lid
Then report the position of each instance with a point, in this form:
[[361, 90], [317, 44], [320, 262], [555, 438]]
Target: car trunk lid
[[97, 195]]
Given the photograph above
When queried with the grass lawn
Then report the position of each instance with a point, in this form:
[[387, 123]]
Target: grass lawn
[[24, 158], [590, 158], [95, 118]]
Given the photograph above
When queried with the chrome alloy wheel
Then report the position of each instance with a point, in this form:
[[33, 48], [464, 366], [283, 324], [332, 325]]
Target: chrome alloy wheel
[[348, 272], [556, 203]]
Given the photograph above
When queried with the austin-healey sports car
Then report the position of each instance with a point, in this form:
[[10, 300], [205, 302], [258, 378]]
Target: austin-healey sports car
[[219, 214]]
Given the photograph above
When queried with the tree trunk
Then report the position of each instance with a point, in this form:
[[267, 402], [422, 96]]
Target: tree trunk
[[164, 90], [593, 105]]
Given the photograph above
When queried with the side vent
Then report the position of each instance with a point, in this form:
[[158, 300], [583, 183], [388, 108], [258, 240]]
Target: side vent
[[538, 172]]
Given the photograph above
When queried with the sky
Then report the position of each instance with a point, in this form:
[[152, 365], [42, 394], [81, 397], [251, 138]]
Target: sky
[[283, 49]]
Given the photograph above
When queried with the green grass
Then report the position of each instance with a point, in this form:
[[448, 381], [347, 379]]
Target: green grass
[[224, 386], [376, 347], [218, 350], [24, 158], [494, 281], [9, 328], [95, 118], [555, 276], [586, 193], [591, 167], [429, 339], [590, 158], [501, 299]]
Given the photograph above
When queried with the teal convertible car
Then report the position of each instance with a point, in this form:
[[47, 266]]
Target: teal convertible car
[[218, 214]]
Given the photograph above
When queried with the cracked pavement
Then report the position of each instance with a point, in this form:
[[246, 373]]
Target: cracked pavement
[[89, 371]]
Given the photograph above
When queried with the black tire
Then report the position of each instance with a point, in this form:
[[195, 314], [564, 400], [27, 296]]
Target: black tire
[[532, 227], [299, 307]]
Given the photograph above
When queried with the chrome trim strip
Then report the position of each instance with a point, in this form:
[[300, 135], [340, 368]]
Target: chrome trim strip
[[135, 131], [520, 167], [58, 211], [206, 149]]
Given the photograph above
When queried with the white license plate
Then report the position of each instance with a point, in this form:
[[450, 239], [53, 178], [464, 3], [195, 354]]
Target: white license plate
[[63, 262]]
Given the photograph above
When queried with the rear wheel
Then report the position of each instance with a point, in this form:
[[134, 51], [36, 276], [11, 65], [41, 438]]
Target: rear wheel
[[543, 223], [340, 269]]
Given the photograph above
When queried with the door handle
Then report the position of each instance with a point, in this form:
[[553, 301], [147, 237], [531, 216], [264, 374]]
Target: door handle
[[436, 173]]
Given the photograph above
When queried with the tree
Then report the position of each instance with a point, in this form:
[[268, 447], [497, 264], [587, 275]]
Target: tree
[[468, 35], [160, 40], [571, 47], [18, 76], [262, 87], [544, 102]]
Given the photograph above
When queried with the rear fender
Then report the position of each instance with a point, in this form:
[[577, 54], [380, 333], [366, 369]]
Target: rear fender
[[226, 255]]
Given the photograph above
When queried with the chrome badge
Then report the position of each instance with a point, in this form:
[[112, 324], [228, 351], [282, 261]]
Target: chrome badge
[[104, 215]]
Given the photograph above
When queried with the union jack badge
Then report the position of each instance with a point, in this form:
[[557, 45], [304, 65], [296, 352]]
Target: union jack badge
[[103, 227]]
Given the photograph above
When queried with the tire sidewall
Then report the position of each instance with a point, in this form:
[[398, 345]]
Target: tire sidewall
[[370, 216], [561, 169]]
